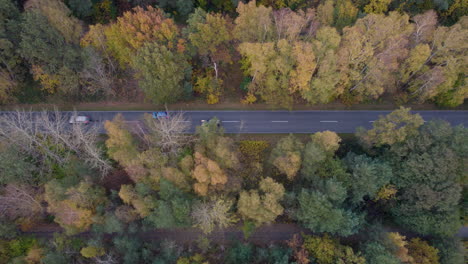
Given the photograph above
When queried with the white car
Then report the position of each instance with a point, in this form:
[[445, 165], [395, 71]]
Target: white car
[[79, 120]]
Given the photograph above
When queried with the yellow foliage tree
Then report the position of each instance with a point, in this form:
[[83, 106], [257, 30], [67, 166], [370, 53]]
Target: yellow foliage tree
[[137, 27], [92, 252], [208, 175]]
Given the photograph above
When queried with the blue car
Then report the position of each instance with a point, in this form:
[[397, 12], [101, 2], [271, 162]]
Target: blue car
[[159, 115]]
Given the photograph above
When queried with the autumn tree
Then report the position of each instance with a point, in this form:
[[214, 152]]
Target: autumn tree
[[21, 202], [74, 207], [11, 69], [254, 23], [390, 129], [168, 134], [56, 71], [323, 86], [444, 82], [377, 6], [59, 17], [208, 175], [121, 146], [371, 51], [421, 252], [262, 205], [137, 27], [325, 250], [287, 156], [26, 130], [213, 144], [210, 34], [270, 65], [213, 214]]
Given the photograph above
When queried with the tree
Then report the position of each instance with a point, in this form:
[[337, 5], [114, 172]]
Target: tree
[[215, 146], [121, 146], [60, 67], [15, 167], [59, 17], [20, 202], [208, 175], [209, 215], [11, 69], [173, 207], [254, 23], [168, 134], [137, 27], [162, 73], [375, 252], [287, 156], [323, 86], [262, 206], [81, 8], [400, 244], [427, 170], [326, 250], [180, 8], [422, 253], [371, 51], [390, 129], [210, 35], [327, 140], [377, 6], [74, 207], [322, 211], [92, 252], [367, 176], [26, 130], [270, 65]]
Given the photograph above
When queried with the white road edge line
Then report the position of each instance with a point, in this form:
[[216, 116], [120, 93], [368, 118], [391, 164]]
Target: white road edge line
[[371, 121], [230, 121], [328, 121], [279, 121]]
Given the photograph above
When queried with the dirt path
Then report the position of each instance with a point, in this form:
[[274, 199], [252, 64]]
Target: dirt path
[[265, 234]]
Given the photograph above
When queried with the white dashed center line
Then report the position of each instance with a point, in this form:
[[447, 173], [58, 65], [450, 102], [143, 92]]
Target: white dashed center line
[[328, 121], [371, 121], [230, 121], [279, 121]]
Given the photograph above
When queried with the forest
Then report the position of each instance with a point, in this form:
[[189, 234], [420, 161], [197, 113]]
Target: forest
[[277, 52], [387, 195]]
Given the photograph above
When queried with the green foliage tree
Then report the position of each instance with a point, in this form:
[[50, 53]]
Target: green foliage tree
[[428, 168], [287, 156], [367, 176], [323, 211], [375, 252], [390, 129], [162, 73], [240, 253], [263, 205]]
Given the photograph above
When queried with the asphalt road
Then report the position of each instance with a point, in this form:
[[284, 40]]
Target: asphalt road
[[285, 121]]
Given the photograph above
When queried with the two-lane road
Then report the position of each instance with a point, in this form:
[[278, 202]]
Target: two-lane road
[[284, 121]]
